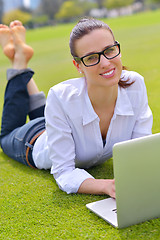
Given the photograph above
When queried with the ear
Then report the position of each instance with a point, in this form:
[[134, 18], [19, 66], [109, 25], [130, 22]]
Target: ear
[[77, 65]]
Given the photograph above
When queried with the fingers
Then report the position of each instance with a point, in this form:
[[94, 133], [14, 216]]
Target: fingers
[[112, 188]]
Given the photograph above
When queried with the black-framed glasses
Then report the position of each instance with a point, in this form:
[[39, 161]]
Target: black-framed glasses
[[94, 58]]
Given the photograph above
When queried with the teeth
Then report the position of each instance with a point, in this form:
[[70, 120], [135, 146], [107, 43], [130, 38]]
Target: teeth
[[109, 73]]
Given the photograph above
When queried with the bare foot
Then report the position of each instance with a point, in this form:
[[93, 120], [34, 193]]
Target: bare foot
[[6, 41], [23, 52]]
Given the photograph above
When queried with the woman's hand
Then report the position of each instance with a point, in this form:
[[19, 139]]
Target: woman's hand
[[98, 186], [110, 188]]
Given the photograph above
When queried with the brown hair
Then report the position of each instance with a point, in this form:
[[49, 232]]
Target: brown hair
[[84, 27]]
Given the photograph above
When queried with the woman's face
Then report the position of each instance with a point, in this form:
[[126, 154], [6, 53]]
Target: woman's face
[[106, 72]]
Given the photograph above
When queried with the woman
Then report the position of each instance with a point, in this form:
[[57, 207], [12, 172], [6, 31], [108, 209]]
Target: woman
[[84, 117]]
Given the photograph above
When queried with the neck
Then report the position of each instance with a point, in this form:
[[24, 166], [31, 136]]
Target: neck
[[102, 97]]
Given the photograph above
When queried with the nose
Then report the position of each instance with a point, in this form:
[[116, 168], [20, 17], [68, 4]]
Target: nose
[[104, 61]]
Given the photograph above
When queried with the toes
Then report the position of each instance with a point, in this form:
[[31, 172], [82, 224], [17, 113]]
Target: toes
[[15, 24], [4, 26]]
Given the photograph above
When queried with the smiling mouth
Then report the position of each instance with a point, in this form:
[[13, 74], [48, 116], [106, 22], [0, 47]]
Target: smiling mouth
[[108, 74]]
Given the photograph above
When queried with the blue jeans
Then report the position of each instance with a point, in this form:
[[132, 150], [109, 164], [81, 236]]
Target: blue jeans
[[18, 137]]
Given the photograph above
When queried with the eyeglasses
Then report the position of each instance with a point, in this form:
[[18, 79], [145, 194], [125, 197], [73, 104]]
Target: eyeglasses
[[94, 58]]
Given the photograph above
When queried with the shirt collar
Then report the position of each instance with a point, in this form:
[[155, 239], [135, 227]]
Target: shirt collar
[[89, 114], [123, 104]]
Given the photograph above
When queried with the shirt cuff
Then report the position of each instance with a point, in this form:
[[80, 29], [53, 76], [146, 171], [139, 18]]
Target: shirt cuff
[[70, 182], [11, 73]]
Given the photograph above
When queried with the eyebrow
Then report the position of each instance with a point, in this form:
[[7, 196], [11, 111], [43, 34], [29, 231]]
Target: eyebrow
[[99, 51]]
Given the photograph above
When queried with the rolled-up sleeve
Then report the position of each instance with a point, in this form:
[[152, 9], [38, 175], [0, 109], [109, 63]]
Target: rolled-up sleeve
[[62, 147]]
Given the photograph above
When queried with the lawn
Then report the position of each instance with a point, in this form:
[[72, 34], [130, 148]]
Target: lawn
[[31, 204]]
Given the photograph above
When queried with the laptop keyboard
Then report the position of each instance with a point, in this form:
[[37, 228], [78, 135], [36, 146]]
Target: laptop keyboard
[[114, 210]]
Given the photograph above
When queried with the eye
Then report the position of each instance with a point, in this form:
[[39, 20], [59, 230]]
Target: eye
[[110, 50], [91, 58]]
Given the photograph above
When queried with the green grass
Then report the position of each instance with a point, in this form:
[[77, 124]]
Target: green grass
[[31, 204]]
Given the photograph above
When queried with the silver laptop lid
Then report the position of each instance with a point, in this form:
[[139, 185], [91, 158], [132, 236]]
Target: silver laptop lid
[[137, 179]]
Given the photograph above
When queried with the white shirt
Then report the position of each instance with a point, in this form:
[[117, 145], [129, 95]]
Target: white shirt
[[72, 141]]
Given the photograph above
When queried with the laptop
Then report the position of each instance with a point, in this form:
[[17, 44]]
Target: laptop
[[136, 165]]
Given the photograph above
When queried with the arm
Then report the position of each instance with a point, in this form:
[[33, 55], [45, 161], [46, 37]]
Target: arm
[[62, 146], [62, 154], [98, 186]]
